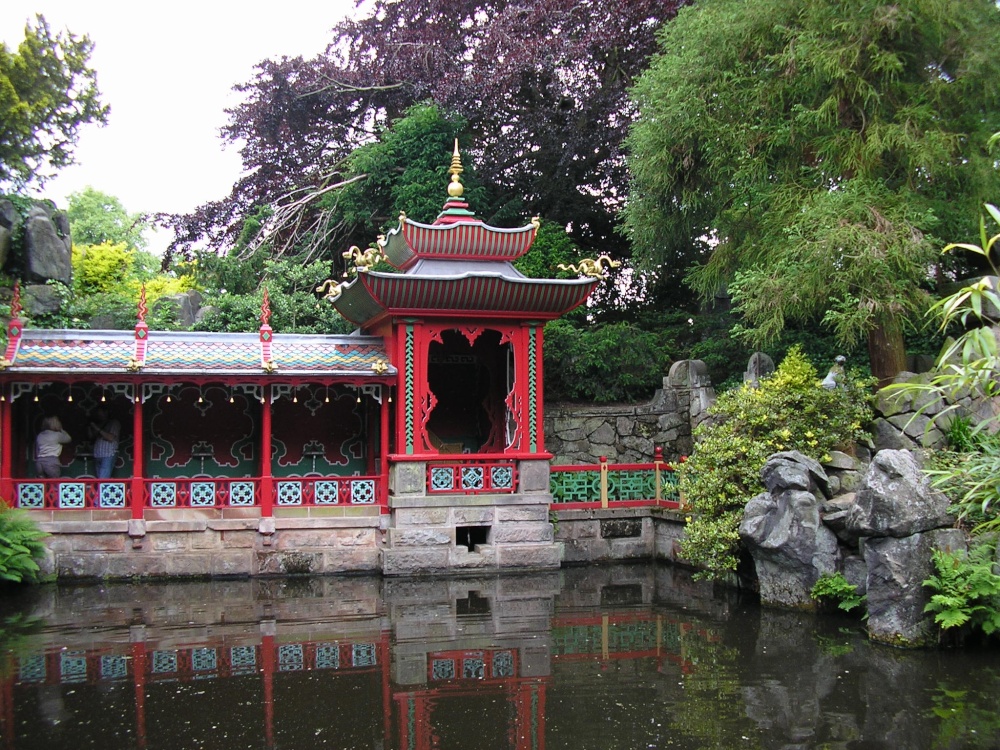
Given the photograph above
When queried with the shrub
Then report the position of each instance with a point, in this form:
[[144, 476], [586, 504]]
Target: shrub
[[604, 363], [20, 546], [787, 411]]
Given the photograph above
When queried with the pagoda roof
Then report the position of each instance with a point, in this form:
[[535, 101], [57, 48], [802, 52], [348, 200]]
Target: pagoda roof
[[459, 240], [460, 287], [167, 353]]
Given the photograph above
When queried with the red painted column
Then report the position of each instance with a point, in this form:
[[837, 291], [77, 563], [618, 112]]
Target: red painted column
[[267, 655], [139, 682], [138, 501], [6, 450], [266, 477], [383, 448]]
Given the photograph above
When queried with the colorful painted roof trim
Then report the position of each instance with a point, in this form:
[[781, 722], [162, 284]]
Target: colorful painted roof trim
[[197, 353], [461, 241]]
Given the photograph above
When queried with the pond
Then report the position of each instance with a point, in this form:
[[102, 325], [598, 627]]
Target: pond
[[623, 656]]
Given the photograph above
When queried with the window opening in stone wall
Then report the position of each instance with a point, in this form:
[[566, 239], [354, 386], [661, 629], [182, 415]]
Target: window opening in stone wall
[[473, 604], [470, 536]]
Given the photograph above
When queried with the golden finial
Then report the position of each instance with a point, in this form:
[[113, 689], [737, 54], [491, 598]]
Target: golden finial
[[380, 367], [536, 222], [455, 188]]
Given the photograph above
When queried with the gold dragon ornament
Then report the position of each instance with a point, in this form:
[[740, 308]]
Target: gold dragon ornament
[[594, 269]]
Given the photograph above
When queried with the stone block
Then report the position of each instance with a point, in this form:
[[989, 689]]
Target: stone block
[[523, 513], [351, 560], [534, 476], [606, 434], [420, 517], [484, 556], [285, 562], [474, 516], [238, 539], [421, 537], [74, 565], [187, 564], [206, 540], [232, 563], [522, 533], [410, 561], [169, 542], [407, 478], [349, 538], [529, 556]]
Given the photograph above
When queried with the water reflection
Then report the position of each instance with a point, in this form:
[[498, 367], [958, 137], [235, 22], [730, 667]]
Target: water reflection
[[617, 657]]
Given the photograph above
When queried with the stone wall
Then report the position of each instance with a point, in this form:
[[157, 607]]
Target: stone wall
[[907, 421], [629, 433]]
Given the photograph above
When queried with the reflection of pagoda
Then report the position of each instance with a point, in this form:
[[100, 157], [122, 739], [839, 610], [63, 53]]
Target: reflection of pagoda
[[413, 445], [464, 330]]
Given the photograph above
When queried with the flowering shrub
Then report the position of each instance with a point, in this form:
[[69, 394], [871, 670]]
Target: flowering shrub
[[787, 411]]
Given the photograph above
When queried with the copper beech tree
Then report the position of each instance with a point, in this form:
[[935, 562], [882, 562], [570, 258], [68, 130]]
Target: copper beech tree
[[539, 86]]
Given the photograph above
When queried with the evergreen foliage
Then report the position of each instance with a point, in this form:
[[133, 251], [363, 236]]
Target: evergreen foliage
[[47, 92], [603, 363], [806, 150], [96, 218], [787, 411]]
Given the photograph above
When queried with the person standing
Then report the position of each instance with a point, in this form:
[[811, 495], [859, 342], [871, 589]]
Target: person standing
[[104, 431], [48, 448]]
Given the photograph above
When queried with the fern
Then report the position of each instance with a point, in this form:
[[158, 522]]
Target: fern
[[967, 591], [20, 546]]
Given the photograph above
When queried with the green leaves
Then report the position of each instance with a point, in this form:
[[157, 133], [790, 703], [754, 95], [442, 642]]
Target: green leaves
[[20, 546], [788, 411], [802, 152], [837, 588], [47, 92], [967, 591]]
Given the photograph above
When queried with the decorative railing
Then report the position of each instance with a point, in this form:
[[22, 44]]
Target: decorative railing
[[615, 485], [326, 491], [472, 477], [201, 493], [116, 494], [73, 494]]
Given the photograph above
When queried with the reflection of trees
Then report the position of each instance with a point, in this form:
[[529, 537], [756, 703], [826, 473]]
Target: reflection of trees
[[967, 717], [16, 638], [711, 707]]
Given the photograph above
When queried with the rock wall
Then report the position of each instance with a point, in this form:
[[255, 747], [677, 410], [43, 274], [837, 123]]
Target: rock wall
[[629, 433], [909, 421]]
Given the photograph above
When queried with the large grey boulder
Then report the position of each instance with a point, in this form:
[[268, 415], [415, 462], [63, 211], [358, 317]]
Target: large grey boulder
[[896, 499], [782, 530], [897, 569], [10, 219], [47, 252], [182, 307]]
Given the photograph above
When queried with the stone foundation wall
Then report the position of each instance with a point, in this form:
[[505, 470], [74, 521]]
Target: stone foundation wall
[[212, 546], [619, 534]]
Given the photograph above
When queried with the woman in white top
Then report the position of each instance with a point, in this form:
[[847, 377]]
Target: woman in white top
[[48, 447]]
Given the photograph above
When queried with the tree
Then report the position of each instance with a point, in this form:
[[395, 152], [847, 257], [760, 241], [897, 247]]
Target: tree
[[47, 92], [541, 87], [96, 217], [805, 151]]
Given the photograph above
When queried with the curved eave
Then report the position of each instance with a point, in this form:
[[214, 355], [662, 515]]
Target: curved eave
[[372, 295], [471, 240]]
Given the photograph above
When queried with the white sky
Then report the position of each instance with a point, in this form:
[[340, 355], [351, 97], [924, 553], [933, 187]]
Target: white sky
[[167, 71]]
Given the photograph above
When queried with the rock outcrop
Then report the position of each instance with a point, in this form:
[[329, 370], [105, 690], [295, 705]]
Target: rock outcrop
[[880, 537], [791, 547]]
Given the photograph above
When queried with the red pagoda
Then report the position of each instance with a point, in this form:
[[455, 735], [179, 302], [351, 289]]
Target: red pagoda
[[414, 445]]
